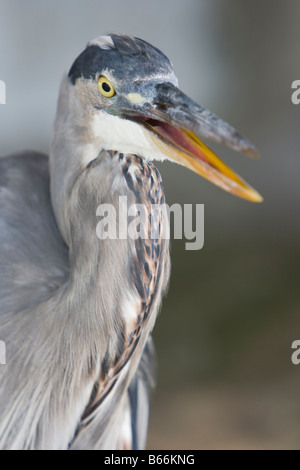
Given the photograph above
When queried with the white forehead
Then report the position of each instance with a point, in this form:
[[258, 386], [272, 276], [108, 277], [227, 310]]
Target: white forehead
[[104, 42]]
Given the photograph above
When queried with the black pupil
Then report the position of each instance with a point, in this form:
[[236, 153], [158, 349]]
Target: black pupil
[[106, 87]]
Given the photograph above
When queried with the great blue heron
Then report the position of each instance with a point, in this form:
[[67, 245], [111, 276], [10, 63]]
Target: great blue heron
[[77, 311]]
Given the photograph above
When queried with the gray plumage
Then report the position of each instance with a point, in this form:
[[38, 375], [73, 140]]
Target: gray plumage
[[77, 309], [59, 324]]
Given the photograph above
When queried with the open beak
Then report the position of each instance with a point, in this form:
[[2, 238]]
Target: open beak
[[175, 122]]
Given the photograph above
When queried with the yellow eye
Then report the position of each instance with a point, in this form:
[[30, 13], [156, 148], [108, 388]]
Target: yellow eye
[[106, 87]]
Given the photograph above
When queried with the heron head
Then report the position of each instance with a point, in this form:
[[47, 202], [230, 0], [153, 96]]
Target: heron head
[[130, 95]]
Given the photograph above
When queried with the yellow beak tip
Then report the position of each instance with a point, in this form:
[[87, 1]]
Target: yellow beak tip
[[254, 196]]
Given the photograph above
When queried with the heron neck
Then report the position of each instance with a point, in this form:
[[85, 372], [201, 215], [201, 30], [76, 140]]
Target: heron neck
[[104, 272], [72, 148]]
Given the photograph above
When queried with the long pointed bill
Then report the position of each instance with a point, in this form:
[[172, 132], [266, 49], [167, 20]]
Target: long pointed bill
[[175, 121], [192, 153]]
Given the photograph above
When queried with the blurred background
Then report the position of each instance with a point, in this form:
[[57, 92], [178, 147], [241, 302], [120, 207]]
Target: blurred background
[[225, 377]]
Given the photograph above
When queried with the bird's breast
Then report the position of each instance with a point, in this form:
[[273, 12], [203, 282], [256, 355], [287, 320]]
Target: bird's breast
[[148, 229]]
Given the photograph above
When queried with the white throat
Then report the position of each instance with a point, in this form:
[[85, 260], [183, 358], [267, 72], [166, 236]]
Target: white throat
[[114, 133]]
